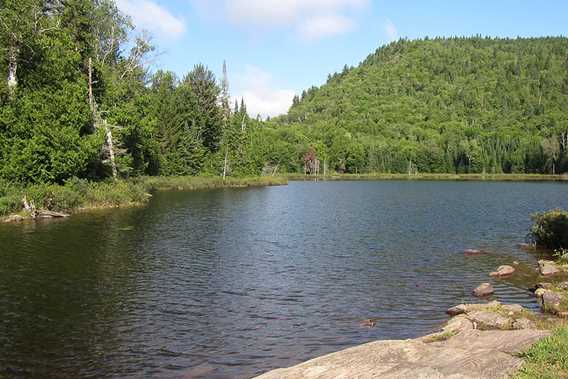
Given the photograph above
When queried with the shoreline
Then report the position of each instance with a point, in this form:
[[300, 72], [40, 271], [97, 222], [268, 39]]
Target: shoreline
[[432, 177], [499, 338], [85, 196]]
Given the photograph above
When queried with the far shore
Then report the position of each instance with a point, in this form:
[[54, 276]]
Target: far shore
[[433, 177], [59, 201]]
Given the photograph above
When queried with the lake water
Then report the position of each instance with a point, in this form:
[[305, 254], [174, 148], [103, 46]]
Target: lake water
[[232, 283]]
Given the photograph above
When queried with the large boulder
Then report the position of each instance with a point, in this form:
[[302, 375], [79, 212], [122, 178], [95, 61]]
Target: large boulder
[[467, 355], [503, 271], [484, 289]]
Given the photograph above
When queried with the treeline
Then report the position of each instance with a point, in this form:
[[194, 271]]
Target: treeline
[[445, 105], [77, 101]]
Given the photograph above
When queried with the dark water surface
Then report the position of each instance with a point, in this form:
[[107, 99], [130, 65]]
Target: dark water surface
[[231, 283]]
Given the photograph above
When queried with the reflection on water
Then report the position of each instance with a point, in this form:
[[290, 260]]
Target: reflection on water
[[230, 283]]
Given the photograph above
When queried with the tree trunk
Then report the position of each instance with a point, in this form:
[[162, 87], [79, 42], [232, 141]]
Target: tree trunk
[[226, 161], [91, 98], [13, 53], [110, 146]]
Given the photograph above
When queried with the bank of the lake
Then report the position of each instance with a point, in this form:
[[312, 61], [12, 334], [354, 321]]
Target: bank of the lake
[[80, 195], [434, 177]]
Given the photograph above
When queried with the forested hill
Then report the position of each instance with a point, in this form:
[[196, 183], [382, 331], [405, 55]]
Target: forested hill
[[443, 105]]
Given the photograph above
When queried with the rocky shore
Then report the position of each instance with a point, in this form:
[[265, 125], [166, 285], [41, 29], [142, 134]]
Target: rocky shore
[[479, 341]]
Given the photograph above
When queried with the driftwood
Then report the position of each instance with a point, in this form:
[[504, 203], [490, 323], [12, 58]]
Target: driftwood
[[50, 214], [40, 213]]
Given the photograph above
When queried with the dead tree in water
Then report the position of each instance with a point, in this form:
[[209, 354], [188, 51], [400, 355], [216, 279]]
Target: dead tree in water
[[311, 162]]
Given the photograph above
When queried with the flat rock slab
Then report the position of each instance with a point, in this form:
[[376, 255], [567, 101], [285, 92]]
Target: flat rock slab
[[470, 354]]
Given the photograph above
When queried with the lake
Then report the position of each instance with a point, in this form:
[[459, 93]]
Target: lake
[[232, 283]]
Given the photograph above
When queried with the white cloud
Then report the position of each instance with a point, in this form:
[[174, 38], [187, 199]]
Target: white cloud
[[148, 15], [310, 19], [325, 26], [391, 31], [257, 88]]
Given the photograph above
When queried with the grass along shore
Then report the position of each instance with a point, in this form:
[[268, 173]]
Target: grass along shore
[[80, 194], [440, 177]]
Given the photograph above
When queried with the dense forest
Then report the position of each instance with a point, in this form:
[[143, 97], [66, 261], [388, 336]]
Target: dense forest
[[78, 100], [444, 105]]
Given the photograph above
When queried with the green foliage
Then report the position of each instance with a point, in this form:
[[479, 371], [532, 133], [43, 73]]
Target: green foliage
[[74, 194], [548, 359], [561, 255], [445, 105], [550, 229]]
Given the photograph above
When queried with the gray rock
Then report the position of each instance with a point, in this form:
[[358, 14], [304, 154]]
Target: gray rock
[[549, 300], [548, 268], [470, 354], [485, 320], [457, 310], [458, 324], [546, 286], [483, 290], [503, 271], [524, 323], [516, 308]]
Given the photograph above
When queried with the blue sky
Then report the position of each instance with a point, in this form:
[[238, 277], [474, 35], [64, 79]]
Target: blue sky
[[276, 48]]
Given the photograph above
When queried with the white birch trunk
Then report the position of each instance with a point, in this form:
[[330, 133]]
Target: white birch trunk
[[225, 164], [12, 69], [110, 146]]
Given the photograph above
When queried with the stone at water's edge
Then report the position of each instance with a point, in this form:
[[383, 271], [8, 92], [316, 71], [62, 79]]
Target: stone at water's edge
[[551, 299], [470, 354], [13, 218], [503, 271], [483, 290], [547, 268]]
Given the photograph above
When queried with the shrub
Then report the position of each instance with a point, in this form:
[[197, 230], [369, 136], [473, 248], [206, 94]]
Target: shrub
[[550, 229], [561, 255]]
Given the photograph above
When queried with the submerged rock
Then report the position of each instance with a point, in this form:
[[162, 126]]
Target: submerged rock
[[369, 323], [503, 271], [484, 290], [548, 268], [473, 252]]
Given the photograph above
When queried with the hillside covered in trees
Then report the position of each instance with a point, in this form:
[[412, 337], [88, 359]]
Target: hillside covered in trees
[[455, 105]]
